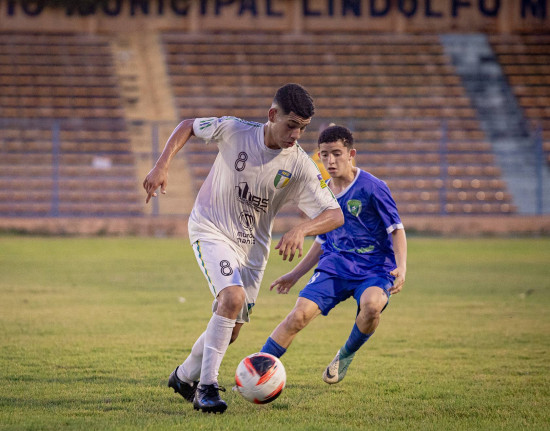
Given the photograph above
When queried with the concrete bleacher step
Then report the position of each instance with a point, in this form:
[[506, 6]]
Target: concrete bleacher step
[[69, 209], [63, 82], [452, 104], [458, 209], [524, 61], [176, 42], [37, 196], [353, 90], [210, 78], [413, 123], [366, 158], [140, 67], [69, 184], [392, 90], [457, 184], [147, 94], [90, 112]]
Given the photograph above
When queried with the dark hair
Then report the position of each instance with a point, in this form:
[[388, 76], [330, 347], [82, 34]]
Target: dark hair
[[336, 133], [295, 98]]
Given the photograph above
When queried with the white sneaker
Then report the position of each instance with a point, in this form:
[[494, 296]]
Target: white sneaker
[[337, 369]]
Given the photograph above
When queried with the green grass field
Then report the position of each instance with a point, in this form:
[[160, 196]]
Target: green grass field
[[91, 329]]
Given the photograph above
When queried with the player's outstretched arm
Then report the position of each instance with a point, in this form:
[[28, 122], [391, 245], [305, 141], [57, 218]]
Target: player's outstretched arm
[[293, 240], [400, 249], [158, 176], [285, 282]]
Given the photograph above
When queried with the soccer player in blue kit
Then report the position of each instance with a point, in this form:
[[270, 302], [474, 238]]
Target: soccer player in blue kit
[[365, 258]]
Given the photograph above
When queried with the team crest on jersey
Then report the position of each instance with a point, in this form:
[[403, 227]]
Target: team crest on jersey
[[282, 178], [354, 207]]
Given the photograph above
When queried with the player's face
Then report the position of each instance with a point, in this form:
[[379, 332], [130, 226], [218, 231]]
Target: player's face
[[336, 158], [285, 129]]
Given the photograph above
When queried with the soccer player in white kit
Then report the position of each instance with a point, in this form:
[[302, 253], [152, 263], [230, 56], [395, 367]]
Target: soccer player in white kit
[[259, 168]]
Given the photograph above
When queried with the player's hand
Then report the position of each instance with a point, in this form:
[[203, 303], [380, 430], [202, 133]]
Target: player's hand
[[284, 283], [399, 274], [291, 242], [157, 177]]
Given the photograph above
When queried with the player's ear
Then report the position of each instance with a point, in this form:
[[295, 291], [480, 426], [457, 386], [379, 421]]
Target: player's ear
[[352, 152], [272, 114]]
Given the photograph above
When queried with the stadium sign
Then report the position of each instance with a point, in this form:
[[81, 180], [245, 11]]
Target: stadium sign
[[284, 15]]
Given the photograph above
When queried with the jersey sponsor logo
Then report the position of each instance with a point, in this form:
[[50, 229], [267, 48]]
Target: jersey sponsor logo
[[365, 249], [281, 179], [321, 181], [246, 197], [354, 207], [362, 250], [247, 220], [245, 238]]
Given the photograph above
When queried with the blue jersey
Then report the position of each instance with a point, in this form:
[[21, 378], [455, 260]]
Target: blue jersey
[[362, 247]]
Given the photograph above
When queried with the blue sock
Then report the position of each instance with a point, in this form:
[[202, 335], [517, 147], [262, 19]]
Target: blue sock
[[355, 341], [272, 347]]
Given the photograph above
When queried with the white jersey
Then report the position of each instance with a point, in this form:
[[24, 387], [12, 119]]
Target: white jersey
[[248, 184]]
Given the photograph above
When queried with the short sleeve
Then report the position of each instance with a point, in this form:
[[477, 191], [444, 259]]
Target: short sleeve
[[215, 129], [385, 205], [315, 196]]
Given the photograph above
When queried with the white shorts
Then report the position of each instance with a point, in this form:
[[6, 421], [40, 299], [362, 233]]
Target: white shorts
[[222, 268]]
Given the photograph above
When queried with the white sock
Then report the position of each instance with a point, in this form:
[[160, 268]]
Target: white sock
[[190, 370], [217, 338]]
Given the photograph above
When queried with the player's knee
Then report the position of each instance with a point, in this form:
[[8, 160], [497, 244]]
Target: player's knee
[[370, 310], [231, 298], [297, 320]]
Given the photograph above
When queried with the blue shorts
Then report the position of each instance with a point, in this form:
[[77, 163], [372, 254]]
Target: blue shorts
[[328, 290]]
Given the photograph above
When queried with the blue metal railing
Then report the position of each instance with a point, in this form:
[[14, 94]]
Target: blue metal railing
[[540, 165], [51, 142]]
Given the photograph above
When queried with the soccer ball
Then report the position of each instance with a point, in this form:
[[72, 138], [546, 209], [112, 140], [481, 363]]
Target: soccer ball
[[260, 378]]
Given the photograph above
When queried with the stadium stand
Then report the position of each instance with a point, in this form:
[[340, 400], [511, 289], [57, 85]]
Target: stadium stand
[[399, 94], [525, 59], [64, 148]]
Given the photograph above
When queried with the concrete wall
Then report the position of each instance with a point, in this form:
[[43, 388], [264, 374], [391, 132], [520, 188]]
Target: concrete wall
[[285, 16]]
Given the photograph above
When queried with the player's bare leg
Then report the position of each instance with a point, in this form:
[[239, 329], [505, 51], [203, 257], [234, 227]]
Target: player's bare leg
[[301, 315], [303, 312], [372, 302]]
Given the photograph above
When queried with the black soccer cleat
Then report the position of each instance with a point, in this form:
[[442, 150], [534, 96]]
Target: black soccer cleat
[[207, 399], [186, 390]]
